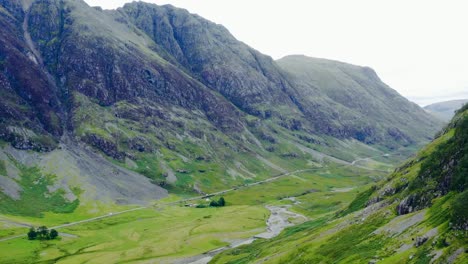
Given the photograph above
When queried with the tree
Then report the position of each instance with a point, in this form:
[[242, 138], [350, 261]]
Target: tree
[[32, 234], [53, 234], [43, 232], [221, 202]]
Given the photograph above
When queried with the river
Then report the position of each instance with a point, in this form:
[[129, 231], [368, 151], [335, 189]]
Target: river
[[279, 219]]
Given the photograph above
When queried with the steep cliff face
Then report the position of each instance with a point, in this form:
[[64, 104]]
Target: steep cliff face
[[29, 106], [249, 79], [318, 96], [89, 52]]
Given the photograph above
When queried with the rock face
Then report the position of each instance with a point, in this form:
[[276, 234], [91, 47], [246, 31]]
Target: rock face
[[28, 105], [249, 79], [173, 58]]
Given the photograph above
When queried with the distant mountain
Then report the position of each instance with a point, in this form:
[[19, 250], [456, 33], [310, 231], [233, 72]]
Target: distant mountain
[[351, 101], [419, 214], [174, 97], [445, 110]]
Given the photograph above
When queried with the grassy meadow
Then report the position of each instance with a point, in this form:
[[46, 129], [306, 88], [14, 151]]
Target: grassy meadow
[[165, 232]]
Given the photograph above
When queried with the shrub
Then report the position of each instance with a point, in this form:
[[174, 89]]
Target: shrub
[[32, 234], [459, 213], [42, 233], [220, 203], [53, 234]]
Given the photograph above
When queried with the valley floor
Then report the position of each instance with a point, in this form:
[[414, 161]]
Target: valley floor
[[169, 231]]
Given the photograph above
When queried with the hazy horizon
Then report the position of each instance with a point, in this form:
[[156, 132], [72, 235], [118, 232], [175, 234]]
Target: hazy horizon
[[416, 47]]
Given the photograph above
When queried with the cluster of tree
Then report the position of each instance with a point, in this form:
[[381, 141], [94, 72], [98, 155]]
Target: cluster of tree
[[219, 203], [42, 233]]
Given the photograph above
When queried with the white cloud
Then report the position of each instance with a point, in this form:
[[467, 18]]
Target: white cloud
[[418, 47]]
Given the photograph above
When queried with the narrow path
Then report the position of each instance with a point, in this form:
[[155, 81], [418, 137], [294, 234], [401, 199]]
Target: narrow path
[[367, 158]]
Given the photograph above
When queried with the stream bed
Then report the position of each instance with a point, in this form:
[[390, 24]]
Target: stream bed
[[279, 219]]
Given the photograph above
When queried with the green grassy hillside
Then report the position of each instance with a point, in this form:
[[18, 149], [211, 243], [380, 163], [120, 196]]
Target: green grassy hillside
[[360, 99], [417, 215]]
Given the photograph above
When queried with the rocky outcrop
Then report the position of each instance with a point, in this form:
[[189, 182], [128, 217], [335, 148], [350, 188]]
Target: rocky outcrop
[[412, 203], [106, 146]]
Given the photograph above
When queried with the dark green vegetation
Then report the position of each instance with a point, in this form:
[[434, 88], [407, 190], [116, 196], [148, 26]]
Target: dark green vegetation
[[417, 215], [42, 233], [213, 203], [221, 202]]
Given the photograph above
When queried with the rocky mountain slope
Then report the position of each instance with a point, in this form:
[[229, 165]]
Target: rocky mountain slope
[[445, 110], [169, 95], [352, 101], [417, 215]]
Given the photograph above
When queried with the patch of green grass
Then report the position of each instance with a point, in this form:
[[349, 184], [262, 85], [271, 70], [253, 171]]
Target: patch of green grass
[[364, 243], [304, 183], [459, 210], [308, 226], [161, 235], [8, 232], [358, 203], [35, 197], [3, 170], [423, 256]]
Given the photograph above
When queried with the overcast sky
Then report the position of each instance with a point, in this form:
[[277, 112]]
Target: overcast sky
[[419, 48]]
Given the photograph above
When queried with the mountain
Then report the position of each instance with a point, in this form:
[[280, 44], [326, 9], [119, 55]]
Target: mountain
[[352, 101], [445, 110], [155, 91], [416, 215]]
